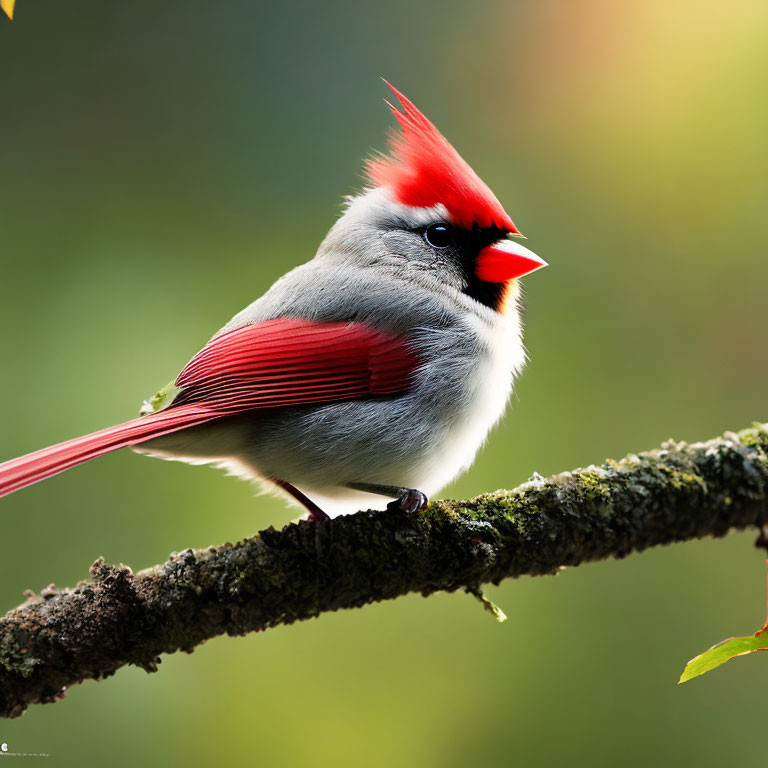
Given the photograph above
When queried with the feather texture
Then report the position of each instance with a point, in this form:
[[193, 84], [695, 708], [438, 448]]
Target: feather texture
[[273, 364], [286, 362]]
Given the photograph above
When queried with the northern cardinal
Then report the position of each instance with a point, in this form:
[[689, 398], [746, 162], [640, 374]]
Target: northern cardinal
[[378, 367]]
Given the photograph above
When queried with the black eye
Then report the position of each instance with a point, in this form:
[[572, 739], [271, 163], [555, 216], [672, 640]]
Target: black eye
[[439, 235]]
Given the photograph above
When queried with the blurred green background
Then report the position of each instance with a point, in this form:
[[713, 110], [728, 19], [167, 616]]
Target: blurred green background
[[162, 163]]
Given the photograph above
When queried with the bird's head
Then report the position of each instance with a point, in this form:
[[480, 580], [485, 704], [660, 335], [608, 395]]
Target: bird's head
[[425, 210]]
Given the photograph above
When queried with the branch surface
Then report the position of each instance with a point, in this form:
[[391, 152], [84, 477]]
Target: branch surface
[[115, 617]]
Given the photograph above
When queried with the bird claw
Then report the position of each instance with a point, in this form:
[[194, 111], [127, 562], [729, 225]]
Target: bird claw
[[410, 502]]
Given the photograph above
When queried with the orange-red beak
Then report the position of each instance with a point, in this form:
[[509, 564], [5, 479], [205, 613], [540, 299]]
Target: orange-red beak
[[506, 260]]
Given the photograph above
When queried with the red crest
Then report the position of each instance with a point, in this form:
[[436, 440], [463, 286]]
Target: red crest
[[424, 170]]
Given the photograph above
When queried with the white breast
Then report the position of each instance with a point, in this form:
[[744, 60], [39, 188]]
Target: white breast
[[489, 377]]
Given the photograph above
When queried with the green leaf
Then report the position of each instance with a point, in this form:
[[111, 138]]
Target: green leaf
[[722, 652], [161, 399]]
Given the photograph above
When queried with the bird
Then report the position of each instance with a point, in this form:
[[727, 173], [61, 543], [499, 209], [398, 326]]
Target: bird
[[375, 369]]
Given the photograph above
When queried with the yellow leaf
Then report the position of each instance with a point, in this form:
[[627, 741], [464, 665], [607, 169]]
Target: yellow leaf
[[7, 6]]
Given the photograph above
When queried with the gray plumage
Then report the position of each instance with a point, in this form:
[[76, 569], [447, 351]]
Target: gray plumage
[[375, 266]]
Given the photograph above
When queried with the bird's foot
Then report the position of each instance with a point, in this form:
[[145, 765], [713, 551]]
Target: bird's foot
[[410, 502]]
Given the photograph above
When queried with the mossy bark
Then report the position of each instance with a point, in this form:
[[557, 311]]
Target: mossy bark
[[117, 617]]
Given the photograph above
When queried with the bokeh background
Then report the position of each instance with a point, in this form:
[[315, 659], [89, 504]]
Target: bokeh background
[[161, 163]]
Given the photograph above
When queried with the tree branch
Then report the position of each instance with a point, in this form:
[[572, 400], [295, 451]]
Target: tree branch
[[116, 617]]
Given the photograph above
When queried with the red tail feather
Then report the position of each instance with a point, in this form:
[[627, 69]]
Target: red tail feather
[[33, 467]]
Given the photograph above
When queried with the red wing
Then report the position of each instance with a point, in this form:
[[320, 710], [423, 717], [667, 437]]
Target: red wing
[[287, 362], [267, 365]]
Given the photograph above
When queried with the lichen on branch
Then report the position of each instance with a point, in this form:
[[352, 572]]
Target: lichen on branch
[[116, 617]]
